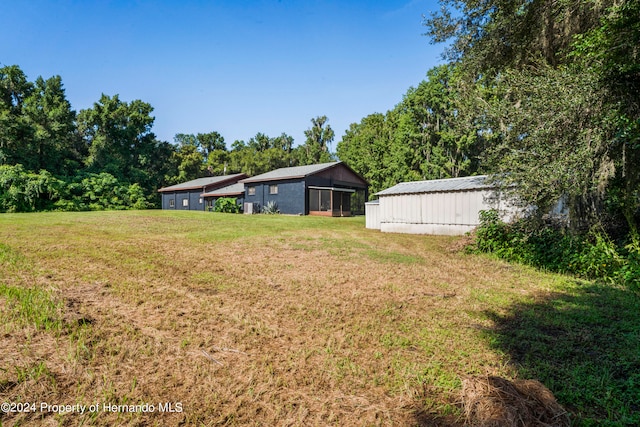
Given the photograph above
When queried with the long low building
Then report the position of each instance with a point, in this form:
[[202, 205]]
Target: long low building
[[441, 206], [196, 195]]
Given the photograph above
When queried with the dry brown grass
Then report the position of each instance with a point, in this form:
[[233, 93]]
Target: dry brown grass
[[496, 402], [248, 321]]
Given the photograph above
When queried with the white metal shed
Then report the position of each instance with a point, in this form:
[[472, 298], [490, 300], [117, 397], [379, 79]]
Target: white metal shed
[[442, 206]]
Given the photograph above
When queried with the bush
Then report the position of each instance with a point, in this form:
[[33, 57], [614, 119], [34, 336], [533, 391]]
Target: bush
[[226, 205], [271, 208], [24, 191], [592, 255]]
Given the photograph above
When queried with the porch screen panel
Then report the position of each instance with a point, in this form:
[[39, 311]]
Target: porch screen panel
[[314, 199], [346, 202], [337, 201], [325, 200]]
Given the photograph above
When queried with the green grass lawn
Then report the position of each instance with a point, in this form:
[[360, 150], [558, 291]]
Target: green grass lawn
[[286, 320]]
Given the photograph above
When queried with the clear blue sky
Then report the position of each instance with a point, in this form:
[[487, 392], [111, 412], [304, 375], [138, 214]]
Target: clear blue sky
[[236, 67]]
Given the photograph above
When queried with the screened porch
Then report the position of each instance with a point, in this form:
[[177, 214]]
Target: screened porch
[[330, 201]]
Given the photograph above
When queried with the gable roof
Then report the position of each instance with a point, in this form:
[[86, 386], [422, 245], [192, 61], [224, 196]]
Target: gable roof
[[203, 182], [229, 190], [438, 185], [292, 172]]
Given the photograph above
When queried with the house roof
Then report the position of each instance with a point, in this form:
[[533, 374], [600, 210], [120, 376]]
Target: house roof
[[229, 190], [438, 185], [203, 182], [292, 172]]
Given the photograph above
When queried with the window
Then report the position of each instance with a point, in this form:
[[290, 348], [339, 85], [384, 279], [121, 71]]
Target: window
[[172, 203], [251, 191], [200, 200], [185, 202], [273, 189]]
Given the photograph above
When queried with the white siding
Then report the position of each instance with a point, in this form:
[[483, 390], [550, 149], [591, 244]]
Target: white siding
[[455, 212], [372, 215]]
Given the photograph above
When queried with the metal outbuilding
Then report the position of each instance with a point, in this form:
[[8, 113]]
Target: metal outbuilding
[[441, 206]]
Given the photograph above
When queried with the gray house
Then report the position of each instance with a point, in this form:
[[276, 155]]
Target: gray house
[[328, 189], [190, 195]]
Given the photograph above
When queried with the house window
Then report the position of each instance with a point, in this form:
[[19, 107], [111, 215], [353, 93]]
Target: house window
[[185, 202], [200, 200], [273, 189], [251, 191], [172, 203]]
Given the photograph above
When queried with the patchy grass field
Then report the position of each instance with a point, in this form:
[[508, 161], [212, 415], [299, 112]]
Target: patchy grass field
[[278, 320]]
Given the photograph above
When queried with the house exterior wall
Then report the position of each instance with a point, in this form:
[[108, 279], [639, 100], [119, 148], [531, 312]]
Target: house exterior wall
[[291, 198], [178, 196], [338, 176], [446, 213]]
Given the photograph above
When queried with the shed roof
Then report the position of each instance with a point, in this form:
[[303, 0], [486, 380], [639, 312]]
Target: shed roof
[[292, 172], [438, 185], [229, 190], [203, 182]]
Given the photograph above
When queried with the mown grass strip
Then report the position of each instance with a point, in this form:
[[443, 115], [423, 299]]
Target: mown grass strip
[[32, 306]]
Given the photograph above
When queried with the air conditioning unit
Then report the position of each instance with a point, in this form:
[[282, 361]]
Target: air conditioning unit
[[248, 208]]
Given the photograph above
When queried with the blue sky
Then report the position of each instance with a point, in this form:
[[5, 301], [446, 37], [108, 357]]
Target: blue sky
[[236, 67]]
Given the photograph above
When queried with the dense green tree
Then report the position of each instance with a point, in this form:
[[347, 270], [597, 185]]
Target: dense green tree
[[210, 142], [316, 148], [490, 35], [15, 132], [558, 82], [24, 191], [423, 137], [117, 134], [188, 159], [261, 154], [54, 144], [364, 148]]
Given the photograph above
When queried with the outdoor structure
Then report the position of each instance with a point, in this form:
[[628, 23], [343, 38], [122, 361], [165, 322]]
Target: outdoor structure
[[190, 195], [442, 206], [329, 189]]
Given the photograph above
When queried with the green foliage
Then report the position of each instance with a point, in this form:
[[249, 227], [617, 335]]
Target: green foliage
[[431, 134], [316, 148], [22, 191], [100, 192], [226, 205], [261, 154], [592, 255], [553, 85]]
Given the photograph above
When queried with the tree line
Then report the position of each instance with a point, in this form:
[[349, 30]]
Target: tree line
[[107, 156]]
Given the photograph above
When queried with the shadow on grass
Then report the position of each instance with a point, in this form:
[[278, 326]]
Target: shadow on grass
[[584, 345]]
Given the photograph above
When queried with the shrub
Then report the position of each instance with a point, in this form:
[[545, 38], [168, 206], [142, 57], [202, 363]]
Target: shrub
[[271, 208], [24, 191], [592, 255], [226, 205]]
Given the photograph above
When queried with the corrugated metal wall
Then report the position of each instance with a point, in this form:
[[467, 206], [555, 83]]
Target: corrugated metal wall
[[372, 215], [434, 213], [433, 208]]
